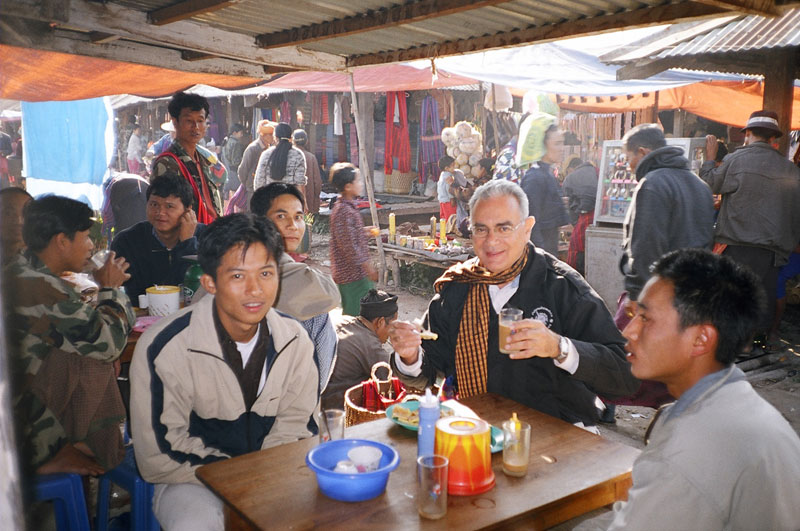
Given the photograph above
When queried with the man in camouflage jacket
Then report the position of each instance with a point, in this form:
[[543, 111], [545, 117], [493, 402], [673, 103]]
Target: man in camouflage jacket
[[67, 403]]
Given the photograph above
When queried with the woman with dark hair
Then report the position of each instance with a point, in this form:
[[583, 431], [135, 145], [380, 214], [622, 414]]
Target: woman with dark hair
[[282, 162]]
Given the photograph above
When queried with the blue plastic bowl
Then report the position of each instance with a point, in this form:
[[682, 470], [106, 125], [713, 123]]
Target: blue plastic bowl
[[350, 487]]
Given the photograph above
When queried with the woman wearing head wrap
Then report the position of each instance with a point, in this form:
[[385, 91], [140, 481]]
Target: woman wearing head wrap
[[542, 145], [282, 162]]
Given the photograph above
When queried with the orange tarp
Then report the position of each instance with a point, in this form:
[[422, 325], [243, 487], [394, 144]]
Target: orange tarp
[[727, 102], [35, 75]]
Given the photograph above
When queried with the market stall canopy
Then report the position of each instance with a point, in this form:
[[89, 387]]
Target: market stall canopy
[[383, 78], [256, 38], [36, 75], [555, 69], [727, 102]]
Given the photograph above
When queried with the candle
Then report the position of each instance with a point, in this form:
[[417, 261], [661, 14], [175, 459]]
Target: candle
[[442, 232], [433, 226], [392, 228]]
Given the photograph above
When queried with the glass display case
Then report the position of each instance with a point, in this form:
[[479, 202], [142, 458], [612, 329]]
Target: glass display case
[[616, 182]]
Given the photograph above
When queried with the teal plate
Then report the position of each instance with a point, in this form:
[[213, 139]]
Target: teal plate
[[413, 405]]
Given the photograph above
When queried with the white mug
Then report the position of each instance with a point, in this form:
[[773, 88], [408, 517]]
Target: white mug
[[163, 300]]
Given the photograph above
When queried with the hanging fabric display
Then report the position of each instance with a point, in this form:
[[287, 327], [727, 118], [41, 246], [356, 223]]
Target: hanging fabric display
[[431, 148], [286, 112], [398, 143]]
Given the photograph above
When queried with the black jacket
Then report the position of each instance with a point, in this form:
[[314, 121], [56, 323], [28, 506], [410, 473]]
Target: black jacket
[[150, 262], [671, 209], [553, 292]]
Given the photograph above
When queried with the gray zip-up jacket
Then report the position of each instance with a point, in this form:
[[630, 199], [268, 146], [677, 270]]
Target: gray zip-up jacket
[[671, 209], [760, 199], [187, 407]]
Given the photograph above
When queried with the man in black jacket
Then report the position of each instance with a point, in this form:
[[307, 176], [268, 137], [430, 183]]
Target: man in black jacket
[[155, 248], [564, 351]]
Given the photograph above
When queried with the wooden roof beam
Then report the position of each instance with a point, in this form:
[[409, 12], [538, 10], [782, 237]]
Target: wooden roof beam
[[644, 69], [131, 24], [39, 36], [186, 9], [98, 37], [384, 18], [765, 8], [574, 28], [189, 55]]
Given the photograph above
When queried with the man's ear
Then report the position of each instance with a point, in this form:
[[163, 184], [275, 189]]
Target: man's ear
[[62, 241], [705, 340], [208, 283], [530, 221]]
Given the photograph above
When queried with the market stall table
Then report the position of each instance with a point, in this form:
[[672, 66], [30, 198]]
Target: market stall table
[[571, 473]]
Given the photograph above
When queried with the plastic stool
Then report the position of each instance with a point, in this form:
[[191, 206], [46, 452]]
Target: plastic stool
[[66, 492], [126, 475]]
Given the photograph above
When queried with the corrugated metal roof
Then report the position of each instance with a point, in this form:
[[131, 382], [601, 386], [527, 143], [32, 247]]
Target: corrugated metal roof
[[257, 17], [747, 34], [240, 36]]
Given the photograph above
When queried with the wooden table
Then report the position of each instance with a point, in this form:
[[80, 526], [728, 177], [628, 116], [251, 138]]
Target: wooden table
[[571, 473]]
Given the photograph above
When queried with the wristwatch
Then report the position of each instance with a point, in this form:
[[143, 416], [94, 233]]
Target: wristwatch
[[563, 349]]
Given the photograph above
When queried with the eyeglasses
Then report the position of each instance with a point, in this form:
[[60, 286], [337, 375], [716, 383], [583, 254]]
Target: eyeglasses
[[501, 231]]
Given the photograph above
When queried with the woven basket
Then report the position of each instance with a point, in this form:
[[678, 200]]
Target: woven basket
[[399, 183], [354, 413]]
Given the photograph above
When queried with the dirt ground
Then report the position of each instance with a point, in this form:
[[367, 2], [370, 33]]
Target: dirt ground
[[776, 376]]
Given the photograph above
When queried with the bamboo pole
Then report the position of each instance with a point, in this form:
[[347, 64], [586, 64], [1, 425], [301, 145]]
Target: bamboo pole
[[494, 121], [366, 171]]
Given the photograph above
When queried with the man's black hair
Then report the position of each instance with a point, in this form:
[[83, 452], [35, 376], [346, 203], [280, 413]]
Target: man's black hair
[[227, 232], [51, 215], [342, 174], [237, 128], [648, 136], [574, 163], [713, 289], [171, 183], [182, 100], [487, 163], [445, 161], [264, 196], [763, 133], [299, 137]]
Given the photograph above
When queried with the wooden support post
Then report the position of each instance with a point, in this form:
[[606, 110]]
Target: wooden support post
[[483, 120], [677, 123], [494, 121], [779, 90], [366, 173]]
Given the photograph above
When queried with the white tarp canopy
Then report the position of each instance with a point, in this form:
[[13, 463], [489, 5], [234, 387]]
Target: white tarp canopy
[[556, 69]]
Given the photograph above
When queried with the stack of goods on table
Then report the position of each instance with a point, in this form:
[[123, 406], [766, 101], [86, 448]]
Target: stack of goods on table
[[465, 144]]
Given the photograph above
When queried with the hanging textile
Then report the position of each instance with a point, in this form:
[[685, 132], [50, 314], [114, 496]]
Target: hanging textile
[[431, 148], [324, 118], [331, 146], [397, 140], [286, 112]]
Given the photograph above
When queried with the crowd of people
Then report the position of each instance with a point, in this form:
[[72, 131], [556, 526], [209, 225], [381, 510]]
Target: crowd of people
[[262, 347]]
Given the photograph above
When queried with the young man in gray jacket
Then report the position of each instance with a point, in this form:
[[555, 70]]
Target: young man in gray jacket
[[721, 457], [222, 378]]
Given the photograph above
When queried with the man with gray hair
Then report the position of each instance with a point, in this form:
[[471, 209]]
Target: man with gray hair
[[563, 351]]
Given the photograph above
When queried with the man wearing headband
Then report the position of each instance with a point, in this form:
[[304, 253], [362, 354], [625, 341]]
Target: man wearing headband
[[361, 342], [759, 222], [247, 168], [563, 352]]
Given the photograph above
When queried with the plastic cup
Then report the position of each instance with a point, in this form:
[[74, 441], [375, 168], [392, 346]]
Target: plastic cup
[[432, 480], [331, 424], [505, 319], [365, 458], [516, 448]]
